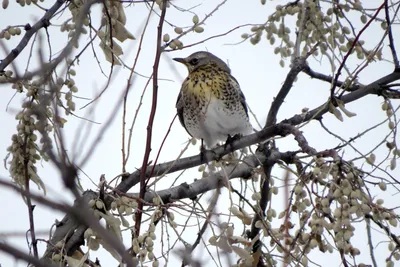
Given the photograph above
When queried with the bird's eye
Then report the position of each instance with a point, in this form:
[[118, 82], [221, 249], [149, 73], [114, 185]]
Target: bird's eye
[[194, 61]]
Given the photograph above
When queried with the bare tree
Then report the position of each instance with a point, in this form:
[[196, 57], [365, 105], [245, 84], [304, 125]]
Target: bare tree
[[330, 192]]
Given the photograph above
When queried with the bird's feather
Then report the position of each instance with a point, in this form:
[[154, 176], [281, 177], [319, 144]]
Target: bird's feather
[[179, 109], [241, 95]]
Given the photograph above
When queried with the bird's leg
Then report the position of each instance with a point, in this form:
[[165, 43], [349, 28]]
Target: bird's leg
[[228, 141], [231, 139], [203, 154], [202, 149]]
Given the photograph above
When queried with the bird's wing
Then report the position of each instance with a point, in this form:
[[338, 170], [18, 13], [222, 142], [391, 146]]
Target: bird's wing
[[179, 108], [241, 95]]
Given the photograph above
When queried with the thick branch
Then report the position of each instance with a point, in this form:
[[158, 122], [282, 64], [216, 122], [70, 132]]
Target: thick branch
[[18, 254], [376, 87], [215, 180], [83, 215], [210, 155], [71, 231], [63, 228]]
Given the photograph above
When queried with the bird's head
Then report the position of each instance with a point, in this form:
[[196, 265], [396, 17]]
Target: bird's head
[[202, 58]]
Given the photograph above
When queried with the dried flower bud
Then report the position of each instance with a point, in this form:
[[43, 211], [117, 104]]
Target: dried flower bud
[[166, 38], [199, 29], [5, 4], [195, 19], [178, 30]]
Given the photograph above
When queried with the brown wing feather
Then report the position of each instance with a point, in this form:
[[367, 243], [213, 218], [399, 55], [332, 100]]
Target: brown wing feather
[[179, 108], [241, 95]]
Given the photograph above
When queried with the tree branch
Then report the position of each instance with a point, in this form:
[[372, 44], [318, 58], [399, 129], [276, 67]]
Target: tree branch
[[390, 34], [328, 79], [18, 254], [343, 63], [143, 182], [30, 31], [83, 215], [298, 65], [376, 87]]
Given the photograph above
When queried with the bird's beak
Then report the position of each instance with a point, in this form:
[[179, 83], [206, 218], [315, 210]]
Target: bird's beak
[[180, 60]]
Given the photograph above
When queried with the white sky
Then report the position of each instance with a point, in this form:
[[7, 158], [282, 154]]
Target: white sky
[[255, 67]]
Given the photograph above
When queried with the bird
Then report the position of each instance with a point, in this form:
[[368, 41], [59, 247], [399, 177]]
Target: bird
[[210, 105]]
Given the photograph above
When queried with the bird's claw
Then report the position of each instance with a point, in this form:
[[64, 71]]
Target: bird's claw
[[231, 139]]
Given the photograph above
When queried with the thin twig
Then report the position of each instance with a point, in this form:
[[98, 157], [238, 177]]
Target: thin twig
[[161, 146], [370, 245], [125, 155], [203, 229], [29, 201], [351, 49], [390, 34], [138, 215]]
